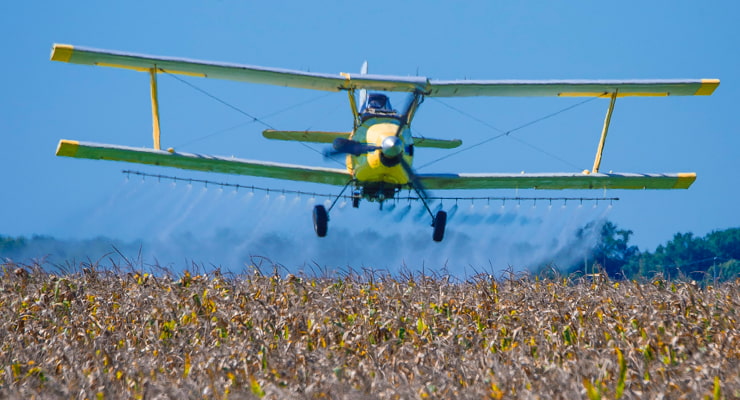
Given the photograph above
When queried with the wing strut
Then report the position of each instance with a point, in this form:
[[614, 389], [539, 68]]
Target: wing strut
[[604, 131], [353, 105], [155, 108]]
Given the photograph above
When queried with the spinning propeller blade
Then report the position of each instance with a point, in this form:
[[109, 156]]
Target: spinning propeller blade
[[347, 146], [414, 180]]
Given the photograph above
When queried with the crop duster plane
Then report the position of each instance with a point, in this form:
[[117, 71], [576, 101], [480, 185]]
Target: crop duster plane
[[380, 147]]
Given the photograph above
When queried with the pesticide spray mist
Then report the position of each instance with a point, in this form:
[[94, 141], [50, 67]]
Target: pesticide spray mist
[[176, 224]]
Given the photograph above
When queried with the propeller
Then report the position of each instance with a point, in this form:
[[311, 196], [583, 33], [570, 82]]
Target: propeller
[[347, 146]]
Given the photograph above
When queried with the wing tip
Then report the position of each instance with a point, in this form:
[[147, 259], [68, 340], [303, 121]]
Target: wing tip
[[67, 148], [685, 179], [707, 87], [61, 52]]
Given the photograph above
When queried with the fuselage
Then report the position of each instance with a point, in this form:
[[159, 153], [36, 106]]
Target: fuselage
[[375, 167], [383, 169]]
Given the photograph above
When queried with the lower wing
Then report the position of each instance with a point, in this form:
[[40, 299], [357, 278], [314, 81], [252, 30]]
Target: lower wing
[[557, 181], [333, 176], [198, 162]]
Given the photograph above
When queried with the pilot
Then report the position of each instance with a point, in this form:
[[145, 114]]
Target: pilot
[[378, 102]]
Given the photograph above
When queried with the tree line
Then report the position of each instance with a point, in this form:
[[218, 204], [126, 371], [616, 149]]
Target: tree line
[[711, 258]]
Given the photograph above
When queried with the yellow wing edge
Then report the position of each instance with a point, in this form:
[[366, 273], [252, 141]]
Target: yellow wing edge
[[707, 87], [685, 179], [62, 52], [67, 148]]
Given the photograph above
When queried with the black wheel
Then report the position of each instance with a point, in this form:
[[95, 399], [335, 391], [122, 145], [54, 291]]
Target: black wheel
[[440, 221], [320, 220]]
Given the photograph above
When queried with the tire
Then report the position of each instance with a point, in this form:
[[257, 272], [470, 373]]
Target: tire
[[440, 221], [320, 220]]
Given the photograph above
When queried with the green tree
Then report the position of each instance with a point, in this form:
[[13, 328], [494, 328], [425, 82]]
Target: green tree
[[684, 255], [725, 244], [613, 251]]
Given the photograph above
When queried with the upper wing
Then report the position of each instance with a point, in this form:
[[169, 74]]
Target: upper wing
[[199, 162], [389, 83], [589, 88], [328, 137], [236, 72], [557, 181]]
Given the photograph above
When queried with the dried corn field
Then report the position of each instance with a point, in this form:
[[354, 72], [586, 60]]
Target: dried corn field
[[102, 334]]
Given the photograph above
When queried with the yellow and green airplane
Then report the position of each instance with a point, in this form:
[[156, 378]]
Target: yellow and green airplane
[[380, 147]]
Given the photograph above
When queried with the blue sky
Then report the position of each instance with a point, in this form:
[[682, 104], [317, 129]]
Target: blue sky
[[44, 101]]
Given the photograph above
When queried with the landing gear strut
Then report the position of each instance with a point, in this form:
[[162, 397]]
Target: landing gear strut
[[439, 221]]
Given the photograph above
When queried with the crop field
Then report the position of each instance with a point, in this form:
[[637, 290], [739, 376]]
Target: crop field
[[114, 333]]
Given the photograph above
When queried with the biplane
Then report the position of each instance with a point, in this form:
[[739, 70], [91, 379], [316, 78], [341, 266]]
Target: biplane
[[380, 147]]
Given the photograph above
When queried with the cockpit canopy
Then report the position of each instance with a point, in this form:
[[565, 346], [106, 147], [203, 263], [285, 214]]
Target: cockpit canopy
[[377, 103]]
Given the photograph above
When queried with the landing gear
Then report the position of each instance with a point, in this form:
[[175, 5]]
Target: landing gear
[[440, 221], [320, 220], [377, 193], [321, 214]]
